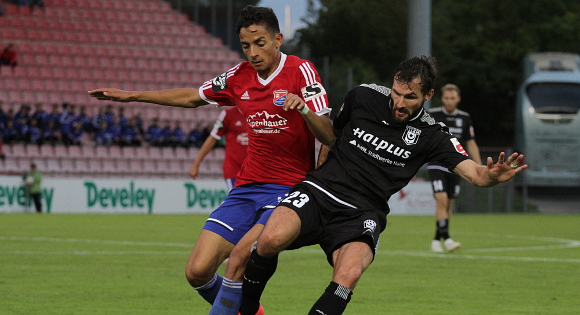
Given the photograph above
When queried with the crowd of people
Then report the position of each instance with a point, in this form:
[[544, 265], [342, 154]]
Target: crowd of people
[[68, 124]]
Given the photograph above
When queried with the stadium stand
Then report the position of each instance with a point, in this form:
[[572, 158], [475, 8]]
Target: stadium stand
[[73, 46]]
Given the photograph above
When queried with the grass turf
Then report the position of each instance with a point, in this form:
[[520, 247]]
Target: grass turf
[[133, 264]]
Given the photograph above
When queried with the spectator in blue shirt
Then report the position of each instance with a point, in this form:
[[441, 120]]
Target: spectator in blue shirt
[[40, 115], [104, 136], [177, 137], [109, 115], [97, 119], [54, 116], [34, 132], [130, 136], [153, 135], [75, 136], [9, 134], [49, 133], [83, 118]]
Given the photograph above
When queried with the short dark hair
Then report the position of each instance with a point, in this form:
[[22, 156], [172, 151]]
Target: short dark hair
[[252, 15], [422, 67]]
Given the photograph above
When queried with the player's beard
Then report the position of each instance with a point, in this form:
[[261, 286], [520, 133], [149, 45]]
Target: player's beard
[[409, 116]]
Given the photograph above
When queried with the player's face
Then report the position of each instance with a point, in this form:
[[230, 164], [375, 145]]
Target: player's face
[[407, 100], [262, 49], [450, 99]]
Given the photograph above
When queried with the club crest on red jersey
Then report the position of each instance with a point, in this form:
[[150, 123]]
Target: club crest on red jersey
[[280, 97]]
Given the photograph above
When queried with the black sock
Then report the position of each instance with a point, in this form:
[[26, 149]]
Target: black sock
[[333, 301], [258, 271], [442, 229]]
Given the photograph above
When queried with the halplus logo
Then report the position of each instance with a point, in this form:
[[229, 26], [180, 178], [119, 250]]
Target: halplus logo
[[263, 122]]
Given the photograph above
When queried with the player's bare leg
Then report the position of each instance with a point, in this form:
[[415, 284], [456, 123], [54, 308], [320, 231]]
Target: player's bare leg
[[209, 252], [229, 297], [350, 261], [280, 231]]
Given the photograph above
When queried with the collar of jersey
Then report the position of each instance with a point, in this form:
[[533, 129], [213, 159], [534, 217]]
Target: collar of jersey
[[278, 70]]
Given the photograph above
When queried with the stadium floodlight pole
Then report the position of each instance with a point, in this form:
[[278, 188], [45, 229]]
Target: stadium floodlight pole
[[419, 31]]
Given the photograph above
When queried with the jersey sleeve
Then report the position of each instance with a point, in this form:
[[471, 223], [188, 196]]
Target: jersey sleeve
[[447, 150], [218, 127], [468, 132], [312, 90], [219, 91], [343, 115]]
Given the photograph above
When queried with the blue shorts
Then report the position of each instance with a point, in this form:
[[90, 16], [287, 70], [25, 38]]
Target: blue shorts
[[242, 208]]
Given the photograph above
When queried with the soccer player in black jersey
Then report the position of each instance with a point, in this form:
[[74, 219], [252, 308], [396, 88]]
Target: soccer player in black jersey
[[445, 184], [384, 135]]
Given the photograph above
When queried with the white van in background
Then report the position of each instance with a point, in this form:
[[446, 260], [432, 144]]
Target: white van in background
[[547, 129]]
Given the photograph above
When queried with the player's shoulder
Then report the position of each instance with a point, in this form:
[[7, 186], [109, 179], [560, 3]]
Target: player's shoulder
[[294, 61], [435, 110], [463, 113], [374, 88]]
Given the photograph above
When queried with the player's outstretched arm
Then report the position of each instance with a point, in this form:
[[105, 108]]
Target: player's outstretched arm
[[492, 173], [173, 97]]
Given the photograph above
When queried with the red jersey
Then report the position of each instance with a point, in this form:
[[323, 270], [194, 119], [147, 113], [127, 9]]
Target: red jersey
[[232, 124], [281, 145]]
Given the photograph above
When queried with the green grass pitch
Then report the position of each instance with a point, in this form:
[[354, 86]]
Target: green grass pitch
[[133, 264]]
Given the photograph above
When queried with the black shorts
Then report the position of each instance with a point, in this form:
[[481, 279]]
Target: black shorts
[[330, 222], [442, 181]]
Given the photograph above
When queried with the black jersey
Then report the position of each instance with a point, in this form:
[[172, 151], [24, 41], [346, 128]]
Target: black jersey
[[459, 124], [375, 156]]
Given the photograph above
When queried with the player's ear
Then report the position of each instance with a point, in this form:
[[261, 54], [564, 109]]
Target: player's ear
[[429, 95], [279, 38]]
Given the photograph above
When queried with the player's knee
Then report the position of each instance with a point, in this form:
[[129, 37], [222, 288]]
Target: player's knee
[[270, 244], [197, 275]]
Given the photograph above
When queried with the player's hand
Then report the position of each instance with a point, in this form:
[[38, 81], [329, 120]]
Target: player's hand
[[294, 101], [110, 94], [505, 169], [193, 171]]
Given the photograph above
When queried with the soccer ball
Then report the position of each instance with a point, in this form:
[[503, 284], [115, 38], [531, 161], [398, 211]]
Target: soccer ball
[[29, 180]]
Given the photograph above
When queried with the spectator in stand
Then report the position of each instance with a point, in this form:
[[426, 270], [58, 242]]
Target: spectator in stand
[[40, 115], [103, 136], [109, 115], [153, 135], [9, 58], [54, 116], [139, 123], [166, 133], [75, 136], [3, 116], [34, 132], [121, 116], [97, 119], [23, 112], [115, 130], [2, 155], [22, 130], [197, 136], [130, 135], [49, 133], [9, 134], [177, 136], [66, 120], [83, 119]]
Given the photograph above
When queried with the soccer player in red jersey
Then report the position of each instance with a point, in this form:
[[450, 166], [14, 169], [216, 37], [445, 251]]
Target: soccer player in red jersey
[[286, 108], [232, 125]]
